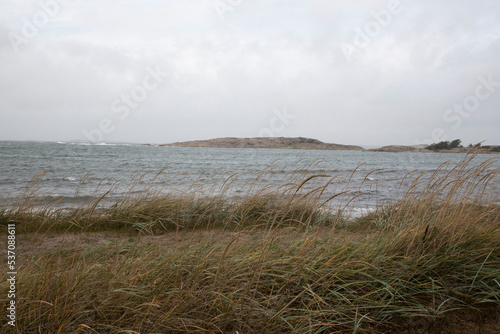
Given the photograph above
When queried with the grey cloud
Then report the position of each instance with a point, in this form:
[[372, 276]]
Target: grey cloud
[[228, 75]]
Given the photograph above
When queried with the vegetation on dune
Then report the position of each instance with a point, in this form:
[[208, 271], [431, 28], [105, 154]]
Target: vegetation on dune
[[445, 145], [276, 261], [457, 143]]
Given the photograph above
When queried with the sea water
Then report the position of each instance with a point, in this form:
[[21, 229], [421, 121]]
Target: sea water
[[74, 173]]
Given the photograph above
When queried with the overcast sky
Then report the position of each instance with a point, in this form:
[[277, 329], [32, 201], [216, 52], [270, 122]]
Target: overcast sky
[[364, 72]]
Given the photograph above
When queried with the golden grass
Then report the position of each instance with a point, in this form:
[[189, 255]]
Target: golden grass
[[278, 260]]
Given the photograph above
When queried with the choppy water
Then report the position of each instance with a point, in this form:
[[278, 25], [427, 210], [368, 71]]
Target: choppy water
[[77, 172]]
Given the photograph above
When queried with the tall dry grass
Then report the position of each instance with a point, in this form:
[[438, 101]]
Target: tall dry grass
[[277, 260]]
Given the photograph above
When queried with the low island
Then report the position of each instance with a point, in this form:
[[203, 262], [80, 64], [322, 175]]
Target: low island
[[299, 143]]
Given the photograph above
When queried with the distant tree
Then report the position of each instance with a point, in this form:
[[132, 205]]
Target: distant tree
[[456, 143], [442, 145], [445, 145]]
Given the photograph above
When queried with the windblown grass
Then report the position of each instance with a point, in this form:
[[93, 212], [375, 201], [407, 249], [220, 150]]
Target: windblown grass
[[278, 260]]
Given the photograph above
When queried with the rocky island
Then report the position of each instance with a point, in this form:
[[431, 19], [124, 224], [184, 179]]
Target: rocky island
[[429, 149], [299, 143]]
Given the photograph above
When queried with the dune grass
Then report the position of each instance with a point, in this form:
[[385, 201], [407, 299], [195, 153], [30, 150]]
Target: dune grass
[[278, 260]]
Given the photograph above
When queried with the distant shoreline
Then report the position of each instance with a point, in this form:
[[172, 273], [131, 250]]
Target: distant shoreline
[[302, 143]]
